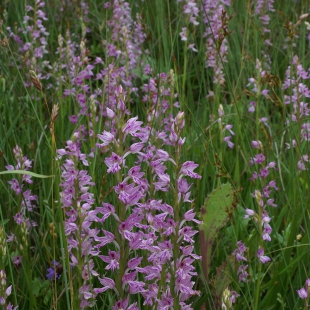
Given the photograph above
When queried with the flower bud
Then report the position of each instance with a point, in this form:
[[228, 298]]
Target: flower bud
[[257, 144], [2, 278], [226, 302]]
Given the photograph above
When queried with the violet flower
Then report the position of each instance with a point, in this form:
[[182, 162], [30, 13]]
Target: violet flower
[[53, 272], [239, 252], [303, 293], [263, 258]]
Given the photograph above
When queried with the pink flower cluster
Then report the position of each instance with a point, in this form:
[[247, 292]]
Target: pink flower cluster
[[28, 201], [32, 39], [216, 46], [153, 240], [297, 94]]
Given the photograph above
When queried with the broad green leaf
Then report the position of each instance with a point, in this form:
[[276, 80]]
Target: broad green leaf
[[47, 297], [214, 216], [36, 286], [223, 276]]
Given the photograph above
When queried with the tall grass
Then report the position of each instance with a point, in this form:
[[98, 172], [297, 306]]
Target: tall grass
[[238, 63]]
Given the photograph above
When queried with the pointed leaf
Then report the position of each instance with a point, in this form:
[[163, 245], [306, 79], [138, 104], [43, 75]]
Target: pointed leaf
[[214, 215]]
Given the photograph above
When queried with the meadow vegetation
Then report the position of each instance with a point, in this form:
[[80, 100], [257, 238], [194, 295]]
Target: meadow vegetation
[[154, 154]]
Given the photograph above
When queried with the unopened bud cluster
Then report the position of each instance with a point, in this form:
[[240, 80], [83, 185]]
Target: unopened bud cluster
[[4, 292], [24, 234], [2, 245]]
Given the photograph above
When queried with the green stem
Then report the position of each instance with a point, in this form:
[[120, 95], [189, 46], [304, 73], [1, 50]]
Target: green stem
[[257, 290], [184, 73], [121, 212], [176, 248], [259, 271]]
